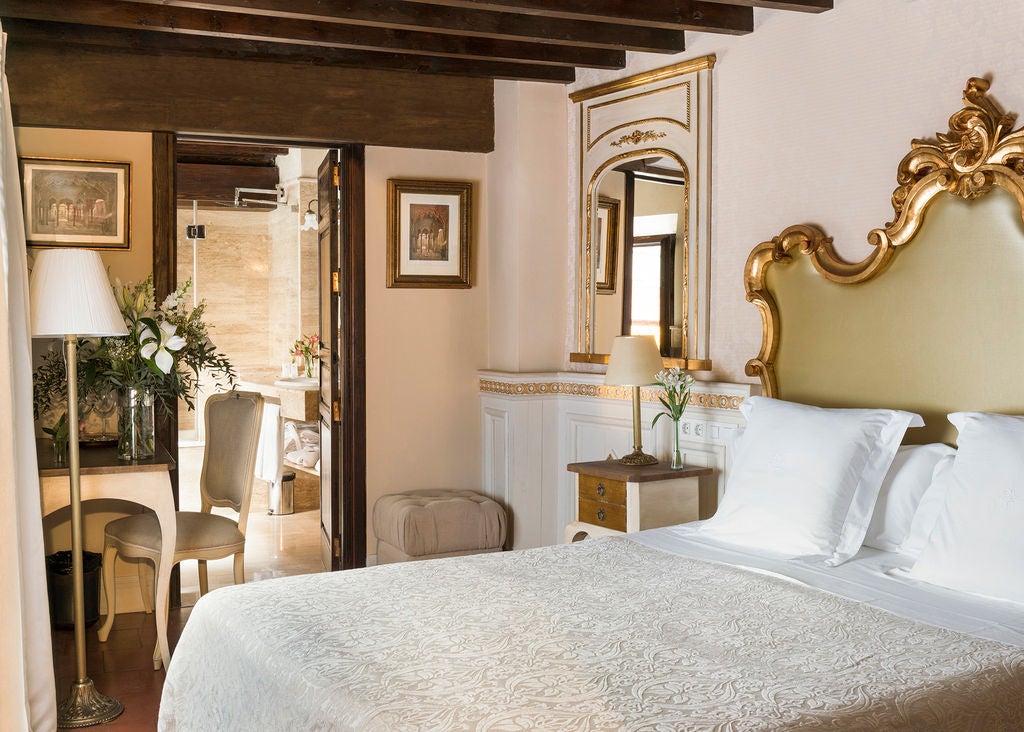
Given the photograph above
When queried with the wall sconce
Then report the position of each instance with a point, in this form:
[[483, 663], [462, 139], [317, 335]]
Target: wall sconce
[[309, 219]]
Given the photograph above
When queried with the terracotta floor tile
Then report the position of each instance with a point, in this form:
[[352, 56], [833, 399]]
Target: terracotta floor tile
[[122, 667]]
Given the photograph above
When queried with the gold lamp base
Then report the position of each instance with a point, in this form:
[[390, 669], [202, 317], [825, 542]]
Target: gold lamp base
[[638, 457], [85, 707]]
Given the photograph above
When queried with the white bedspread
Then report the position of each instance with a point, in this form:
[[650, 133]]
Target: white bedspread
[[606, 634]]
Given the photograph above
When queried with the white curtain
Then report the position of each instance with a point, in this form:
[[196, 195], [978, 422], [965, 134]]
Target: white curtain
[[28, 697]]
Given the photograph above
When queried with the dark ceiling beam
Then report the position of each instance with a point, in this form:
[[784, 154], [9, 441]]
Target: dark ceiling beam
[[151, 43], [710, 17], [226, 153], [240, 26], [572, 29]]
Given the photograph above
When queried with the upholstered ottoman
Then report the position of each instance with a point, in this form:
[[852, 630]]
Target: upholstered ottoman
[[429, 524]]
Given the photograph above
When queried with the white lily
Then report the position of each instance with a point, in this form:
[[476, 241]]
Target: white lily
[[159, 344]]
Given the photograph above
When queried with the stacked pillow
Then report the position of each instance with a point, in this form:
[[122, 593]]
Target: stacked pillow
[[977, 543], [804, 479]]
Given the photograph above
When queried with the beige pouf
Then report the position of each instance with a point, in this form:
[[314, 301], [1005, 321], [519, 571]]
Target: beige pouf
[[430, 524]]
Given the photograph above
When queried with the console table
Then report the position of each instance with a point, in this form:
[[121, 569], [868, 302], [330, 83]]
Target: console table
[[612, 498], [145, 482]]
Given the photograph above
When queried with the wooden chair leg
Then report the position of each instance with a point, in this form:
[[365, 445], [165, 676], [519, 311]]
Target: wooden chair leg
[[109, 591], [147, 583], [204, 578], [240, 568]]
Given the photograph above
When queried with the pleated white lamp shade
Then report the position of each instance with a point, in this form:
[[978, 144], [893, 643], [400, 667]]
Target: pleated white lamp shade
[[69, 294], [634, 361]]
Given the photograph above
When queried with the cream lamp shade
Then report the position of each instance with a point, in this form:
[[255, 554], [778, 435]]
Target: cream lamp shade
[[70, 294], [634, 361]]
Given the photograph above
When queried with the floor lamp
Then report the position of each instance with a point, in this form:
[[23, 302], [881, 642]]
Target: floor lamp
[[70, 297], [634, 361]]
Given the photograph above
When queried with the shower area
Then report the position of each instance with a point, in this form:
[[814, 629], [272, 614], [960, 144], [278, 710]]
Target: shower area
[[247, 240]]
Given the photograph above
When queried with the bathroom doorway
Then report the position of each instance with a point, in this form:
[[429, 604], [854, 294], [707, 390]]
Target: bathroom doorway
[[246, 232]]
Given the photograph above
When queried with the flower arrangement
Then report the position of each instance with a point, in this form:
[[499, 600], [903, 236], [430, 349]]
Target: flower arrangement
[[163, 354], [677, 384], [167, 346], [308, 349]]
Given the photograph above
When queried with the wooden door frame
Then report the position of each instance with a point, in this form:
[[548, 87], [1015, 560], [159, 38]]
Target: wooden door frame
[[165, 280]]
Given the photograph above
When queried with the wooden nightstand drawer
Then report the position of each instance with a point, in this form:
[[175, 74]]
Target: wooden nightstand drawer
[[603, 490], [609, 515]]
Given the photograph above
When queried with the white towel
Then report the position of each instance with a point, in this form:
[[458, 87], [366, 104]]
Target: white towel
[[268, 454]]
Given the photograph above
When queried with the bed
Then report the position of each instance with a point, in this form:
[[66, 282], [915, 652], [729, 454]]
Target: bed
[[846, 582]]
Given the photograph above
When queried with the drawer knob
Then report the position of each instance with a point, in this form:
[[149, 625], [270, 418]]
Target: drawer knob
[[600, 489], [600, 514]]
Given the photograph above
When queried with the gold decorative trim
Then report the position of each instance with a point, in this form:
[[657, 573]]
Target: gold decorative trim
[[684, 123], [602, 391], [647, 77], [980, 152], [636, 137], [648, 121]]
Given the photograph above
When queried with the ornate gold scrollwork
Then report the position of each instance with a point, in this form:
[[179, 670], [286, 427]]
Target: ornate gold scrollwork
[[638, 136], [980, 152]]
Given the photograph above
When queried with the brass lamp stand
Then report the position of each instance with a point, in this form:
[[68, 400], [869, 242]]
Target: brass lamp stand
[[634, 361], [70, 296]]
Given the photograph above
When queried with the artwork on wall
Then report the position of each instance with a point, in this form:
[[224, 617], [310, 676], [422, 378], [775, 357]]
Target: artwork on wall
[[429, 239], [76, 203], [607, 243]]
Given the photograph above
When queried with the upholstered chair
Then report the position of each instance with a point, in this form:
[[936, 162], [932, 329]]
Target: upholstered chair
[[232, 435]]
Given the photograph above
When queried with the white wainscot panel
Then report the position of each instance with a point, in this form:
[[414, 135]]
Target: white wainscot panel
[[536, 424]]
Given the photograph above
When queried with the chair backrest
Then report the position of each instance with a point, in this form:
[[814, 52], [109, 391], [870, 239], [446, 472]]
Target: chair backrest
[[233, 421]]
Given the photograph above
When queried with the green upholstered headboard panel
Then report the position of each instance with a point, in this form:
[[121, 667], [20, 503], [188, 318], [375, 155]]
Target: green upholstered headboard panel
[[933, 320]]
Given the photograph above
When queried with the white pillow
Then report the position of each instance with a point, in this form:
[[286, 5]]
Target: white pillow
[[977, 545], [804, 479], [905, 484], [928, 509]]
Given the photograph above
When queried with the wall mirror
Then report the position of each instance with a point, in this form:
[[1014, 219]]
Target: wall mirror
[[644, 229]]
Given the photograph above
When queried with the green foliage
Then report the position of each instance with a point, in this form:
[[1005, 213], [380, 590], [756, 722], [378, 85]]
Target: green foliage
[[677, 384], [172, 334]]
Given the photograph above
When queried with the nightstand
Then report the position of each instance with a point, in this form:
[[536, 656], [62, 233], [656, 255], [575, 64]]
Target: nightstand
[[612, 498]]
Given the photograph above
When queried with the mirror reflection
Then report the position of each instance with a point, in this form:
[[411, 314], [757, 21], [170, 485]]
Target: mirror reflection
[[640, 253]]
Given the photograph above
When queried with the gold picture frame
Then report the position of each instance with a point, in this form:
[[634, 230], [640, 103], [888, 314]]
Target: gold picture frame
[[607, 244], [76, 203], [429, 233]]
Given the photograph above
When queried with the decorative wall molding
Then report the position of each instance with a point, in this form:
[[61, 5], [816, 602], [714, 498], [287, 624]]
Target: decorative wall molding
[[534, 424], [703, 395]]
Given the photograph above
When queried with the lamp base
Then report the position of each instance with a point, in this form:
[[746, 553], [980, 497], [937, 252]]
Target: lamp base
[[638, 457], [85, 707]]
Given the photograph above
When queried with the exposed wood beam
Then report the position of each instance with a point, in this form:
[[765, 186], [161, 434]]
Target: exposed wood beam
[[117, 40], [214, 182], [582, 29], [223, 153], [719, 16], [241, 26]]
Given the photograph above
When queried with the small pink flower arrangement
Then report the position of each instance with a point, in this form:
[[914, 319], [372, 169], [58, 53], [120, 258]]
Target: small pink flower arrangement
[[308, 349]]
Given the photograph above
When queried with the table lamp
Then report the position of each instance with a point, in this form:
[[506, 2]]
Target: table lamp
[[70, 296], [634, 361]]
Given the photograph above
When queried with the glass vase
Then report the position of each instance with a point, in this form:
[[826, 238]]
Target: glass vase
[[135, 436], [308, 362], [677, 456]]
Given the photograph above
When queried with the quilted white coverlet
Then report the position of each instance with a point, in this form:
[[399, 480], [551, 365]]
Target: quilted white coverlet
[[605, 634]]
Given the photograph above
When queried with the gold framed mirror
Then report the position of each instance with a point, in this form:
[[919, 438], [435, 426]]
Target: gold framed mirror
[[644, 153]]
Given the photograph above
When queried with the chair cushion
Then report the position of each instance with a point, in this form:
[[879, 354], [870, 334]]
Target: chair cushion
[[196, 531], [439, 521]]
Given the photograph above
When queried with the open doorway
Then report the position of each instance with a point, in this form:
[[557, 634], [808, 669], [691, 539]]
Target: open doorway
[[245, 241]]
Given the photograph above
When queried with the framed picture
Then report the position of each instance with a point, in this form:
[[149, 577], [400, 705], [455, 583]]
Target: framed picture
[[429, 233], [607, 248], [76, 203]]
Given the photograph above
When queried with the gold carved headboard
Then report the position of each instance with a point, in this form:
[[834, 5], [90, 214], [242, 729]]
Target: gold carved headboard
[[943, 329]]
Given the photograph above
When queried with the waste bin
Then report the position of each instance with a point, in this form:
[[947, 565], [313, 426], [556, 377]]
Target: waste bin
[[60, 588], [282, 497]]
